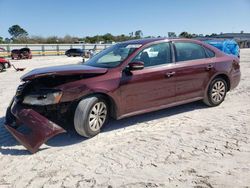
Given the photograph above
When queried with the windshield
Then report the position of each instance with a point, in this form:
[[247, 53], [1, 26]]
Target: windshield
[[112, 56]]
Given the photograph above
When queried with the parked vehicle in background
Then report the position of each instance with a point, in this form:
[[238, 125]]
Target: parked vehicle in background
[[90, 53], [74, 52], [23, 53], [4, 64], [126, 79]]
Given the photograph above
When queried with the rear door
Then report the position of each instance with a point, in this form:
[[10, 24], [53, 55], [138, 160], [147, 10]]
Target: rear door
[[194, 69], [152, 86]]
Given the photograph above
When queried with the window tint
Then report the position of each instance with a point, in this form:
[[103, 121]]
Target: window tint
[[189, 51], [156, 54], [209, 52]]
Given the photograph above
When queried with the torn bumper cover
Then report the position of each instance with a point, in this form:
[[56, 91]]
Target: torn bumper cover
[[41, 128]]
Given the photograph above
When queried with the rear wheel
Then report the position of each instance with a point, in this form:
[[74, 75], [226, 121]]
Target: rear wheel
[[216, 93], [90, 116]]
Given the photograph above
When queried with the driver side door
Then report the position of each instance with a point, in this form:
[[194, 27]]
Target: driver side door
[[153, 86]]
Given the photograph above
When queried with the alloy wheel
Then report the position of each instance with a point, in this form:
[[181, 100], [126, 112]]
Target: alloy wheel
[[218, 91], [97, 116]]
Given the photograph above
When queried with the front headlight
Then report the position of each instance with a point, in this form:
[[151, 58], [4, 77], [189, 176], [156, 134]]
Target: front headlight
[[43, 99]]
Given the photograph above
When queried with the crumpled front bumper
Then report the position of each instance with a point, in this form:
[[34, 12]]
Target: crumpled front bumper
[[41, 128]]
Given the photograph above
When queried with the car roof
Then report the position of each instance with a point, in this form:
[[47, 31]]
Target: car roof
[[150, 40], [24, 49], [142, 41]]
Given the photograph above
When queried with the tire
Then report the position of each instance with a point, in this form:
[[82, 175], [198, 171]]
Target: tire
[[68, 55], [7, 65], [88, 121], [216, 93], [1, 67]]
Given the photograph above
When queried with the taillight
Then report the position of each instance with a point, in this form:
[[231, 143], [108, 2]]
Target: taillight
[[236, 64]]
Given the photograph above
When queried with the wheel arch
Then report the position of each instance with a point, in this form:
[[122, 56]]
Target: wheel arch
[[226, 78], [220, 75], [110, 102]]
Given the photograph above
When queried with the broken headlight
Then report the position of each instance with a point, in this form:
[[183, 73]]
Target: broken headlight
[[42, 99]]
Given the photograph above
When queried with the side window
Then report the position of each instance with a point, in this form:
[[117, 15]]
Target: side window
[[209, 52], [156, 54], [189, 51]]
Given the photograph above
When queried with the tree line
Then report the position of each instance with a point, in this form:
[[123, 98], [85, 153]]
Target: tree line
[[20, 35]]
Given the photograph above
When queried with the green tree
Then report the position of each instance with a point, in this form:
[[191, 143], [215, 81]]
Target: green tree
[[213, 35], [138, 34], [69, 39], [1, 40], [171, 35], [52, 40], [17, 32], [37, 40], [108, 37], [7, 40], [185, 34]]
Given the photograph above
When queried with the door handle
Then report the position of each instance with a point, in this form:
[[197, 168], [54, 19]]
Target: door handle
[[209, 67], [170, 74]]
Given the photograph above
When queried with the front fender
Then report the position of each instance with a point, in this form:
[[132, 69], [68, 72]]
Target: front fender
[[106, 84]]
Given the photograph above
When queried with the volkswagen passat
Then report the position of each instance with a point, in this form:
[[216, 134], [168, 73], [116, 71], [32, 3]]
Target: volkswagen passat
[[126, 79]]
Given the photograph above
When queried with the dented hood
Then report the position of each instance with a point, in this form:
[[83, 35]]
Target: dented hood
[[63, 70]]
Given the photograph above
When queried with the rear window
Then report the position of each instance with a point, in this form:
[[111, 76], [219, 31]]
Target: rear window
[[189, 51]]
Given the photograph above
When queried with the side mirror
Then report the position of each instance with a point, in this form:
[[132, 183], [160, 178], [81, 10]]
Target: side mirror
[[137, 65]]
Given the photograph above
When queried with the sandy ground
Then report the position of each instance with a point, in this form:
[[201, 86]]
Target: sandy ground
[[186, 146]]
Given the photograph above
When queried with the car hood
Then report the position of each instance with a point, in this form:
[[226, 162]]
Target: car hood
[[63, 70]]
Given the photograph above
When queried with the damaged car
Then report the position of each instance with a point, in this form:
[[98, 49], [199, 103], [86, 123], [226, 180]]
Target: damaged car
[[128, 78], [23, 53], [4, 64]]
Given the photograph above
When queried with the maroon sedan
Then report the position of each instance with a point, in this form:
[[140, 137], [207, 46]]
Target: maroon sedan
[[129, 78]]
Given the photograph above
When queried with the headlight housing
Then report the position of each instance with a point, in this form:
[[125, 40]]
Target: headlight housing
[[42, 99]]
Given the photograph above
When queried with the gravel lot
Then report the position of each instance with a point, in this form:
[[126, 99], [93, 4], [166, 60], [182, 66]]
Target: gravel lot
[[186, 146]]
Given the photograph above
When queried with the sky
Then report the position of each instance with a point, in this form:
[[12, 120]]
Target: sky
[[95, 17]]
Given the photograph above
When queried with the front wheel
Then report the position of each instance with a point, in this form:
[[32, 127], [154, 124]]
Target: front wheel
[[90, 116], [216, 93]]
